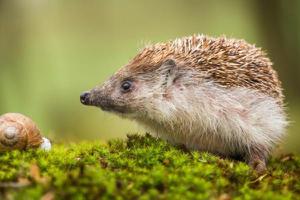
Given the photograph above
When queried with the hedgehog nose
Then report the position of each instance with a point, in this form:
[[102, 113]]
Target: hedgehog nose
[[85, 98]]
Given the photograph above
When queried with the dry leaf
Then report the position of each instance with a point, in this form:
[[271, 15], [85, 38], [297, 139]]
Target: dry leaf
[[287, 158], [24, 181], [35, 174], [48, 196], [224, 197]]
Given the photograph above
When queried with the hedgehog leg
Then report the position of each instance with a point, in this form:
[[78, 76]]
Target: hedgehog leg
[[257, 159]]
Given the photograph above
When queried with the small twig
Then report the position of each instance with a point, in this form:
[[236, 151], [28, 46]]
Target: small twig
[[13, 185]]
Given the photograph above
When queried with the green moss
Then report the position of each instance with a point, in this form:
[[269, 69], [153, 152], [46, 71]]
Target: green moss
[[140, 168]]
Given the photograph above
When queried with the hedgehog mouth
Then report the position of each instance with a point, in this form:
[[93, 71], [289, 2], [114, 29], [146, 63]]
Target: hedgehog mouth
[[112, 108], [109, 105]]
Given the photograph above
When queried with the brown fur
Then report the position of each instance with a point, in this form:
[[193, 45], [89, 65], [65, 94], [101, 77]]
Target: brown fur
[[228, 62]]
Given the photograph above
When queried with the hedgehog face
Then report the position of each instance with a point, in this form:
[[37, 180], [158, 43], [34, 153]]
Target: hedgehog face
[[131, 93], [114, 95]]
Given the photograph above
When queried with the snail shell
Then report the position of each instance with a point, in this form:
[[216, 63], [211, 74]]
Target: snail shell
[[18, 132]]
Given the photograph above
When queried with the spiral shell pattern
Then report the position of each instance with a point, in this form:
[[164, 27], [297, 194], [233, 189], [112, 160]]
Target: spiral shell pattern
[[18, 132]]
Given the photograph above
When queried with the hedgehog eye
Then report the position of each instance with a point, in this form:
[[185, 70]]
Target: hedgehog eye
[[126, 86]]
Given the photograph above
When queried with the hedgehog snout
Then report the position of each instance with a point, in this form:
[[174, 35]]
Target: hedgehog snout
[[93, 98], [85, 98], [98, 98]]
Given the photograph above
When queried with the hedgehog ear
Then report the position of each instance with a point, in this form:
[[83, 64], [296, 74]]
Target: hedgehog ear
[[169, 62], [168, 68]]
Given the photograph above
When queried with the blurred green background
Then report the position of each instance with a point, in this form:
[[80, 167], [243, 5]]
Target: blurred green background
[[52, 50]]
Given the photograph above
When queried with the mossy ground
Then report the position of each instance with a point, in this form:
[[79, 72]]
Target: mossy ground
[[140, 167]]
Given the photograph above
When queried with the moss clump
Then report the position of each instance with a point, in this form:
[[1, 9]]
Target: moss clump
[[140, 168]]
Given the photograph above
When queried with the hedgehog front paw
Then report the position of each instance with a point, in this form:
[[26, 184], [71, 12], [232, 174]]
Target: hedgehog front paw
[[258, 165]]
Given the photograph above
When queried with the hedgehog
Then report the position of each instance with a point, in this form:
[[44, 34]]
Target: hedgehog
[[219, 95]]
